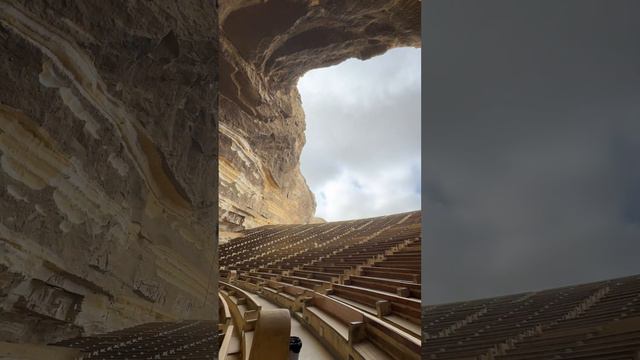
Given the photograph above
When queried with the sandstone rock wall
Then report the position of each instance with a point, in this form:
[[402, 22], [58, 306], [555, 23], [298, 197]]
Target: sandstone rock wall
[[265, 47], [108, 142]]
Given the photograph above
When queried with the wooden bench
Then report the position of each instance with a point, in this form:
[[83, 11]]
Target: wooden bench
[[335, 323], [283, 294], [270, 340], [399, 344], [317, 275], [384, 303], [391, 273], [316, 285], [244, 310], [230, 345], [398, 287]]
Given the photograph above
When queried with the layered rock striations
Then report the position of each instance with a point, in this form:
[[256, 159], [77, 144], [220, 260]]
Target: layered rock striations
[[108, 141], [265, 47]]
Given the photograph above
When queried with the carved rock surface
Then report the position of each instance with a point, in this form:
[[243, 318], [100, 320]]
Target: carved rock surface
[[107, 157], [265, 47]]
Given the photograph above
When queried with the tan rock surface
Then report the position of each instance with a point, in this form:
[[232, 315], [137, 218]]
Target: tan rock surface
[[107, 156], [265, 47]]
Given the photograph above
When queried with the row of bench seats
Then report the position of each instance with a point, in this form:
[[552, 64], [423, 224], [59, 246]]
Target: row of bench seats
[[599, 320], [276, 244], [253, 332], [226, 331], [349, 332], [244, 314], [373, 264], [194, 340]]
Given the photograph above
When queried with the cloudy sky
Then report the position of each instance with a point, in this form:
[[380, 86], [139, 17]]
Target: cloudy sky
[[531, 142], [362, 156]]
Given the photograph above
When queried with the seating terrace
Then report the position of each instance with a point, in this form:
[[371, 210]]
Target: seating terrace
[[599, 320], [355, 284]]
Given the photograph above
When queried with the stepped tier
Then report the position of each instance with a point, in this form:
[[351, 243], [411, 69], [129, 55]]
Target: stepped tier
[[356, 283], [599, 320]]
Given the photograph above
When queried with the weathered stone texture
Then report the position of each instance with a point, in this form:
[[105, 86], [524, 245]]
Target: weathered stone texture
[[108, 141], [265, 47]]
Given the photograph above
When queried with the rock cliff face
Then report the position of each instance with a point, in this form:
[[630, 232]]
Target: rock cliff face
[[265, 47], [108, 141]]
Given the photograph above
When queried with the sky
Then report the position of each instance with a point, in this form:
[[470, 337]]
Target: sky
[[362, 153], [531, 141]]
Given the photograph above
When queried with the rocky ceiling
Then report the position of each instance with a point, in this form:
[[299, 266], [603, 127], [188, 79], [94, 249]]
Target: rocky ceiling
[[265, 47]]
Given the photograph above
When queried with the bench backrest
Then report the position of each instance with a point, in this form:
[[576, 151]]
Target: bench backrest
[[224, 315], [271, 336], [239, 293], [336, 309], [397, 341]]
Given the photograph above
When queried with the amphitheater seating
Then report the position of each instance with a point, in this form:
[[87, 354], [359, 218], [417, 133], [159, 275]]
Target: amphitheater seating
[[347, 330], [400, 288], [228, 339], [159, 340], [285, 295], [599, 320], [244, 310], [356, 283], [373, 264], [393, 344], [270, 340], [384, 303], [255, 331], [336, 323]]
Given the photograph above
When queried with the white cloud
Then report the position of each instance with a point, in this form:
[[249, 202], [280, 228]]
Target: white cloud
[[362, 156]]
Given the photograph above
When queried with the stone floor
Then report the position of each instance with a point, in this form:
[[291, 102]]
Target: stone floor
[[312, 349]]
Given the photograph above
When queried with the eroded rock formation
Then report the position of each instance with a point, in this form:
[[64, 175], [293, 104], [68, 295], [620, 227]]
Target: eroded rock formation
[[265, 47], [107, 154]]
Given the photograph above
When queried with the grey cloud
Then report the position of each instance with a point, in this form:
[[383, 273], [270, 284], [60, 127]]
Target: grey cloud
[[531, 136], [363, 135]]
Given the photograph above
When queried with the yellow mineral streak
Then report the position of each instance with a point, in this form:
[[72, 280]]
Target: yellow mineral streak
[[30, 157], [77, 66], [274, 203]]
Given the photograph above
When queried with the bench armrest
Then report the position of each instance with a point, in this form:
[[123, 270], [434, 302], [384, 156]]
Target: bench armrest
[[357, 332]]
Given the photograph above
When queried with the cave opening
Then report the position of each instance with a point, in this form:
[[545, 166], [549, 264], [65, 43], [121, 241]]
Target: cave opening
[[265, 48], [362, 152]]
